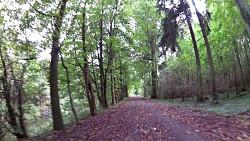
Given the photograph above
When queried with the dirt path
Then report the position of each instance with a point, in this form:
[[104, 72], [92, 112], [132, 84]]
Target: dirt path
[[147, 120]]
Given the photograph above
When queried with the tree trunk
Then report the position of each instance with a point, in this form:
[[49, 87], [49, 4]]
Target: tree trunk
[[246, 51], [144, 86], [239, 63], [112, 87], [154, 81], [197, 59], [69, 90], [20, 104], [7, 95], [88, 83], [244, 9], [90, 91], [111, 56], [235, 77], [97, 87], [100, 58], [153, 71], [55, 104], [121, 81], [209, 55]]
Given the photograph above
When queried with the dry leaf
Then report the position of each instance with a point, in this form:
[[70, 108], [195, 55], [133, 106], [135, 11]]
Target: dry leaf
[[197, 131]]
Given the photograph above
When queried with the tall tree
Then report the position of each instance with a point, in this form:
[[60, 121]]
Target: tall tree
[[100, 59], [55, 104], [209, 54], [149, 37], [69, 89], [7, 93], [152, 43], [196, 52], [88, 82]]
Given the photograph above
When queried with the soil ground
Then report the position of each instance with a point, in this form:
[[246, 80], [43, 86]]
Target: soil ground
[[140, 119]]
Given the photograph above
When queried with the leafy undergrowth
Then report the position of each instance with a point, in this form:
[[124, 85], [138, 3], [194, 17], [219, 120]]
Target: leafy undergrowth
[[228, 106], [147, 120]]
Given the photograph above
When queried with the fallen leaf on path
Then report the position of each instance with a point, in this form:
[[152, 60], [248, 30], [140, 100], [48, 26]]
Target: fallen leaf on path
[[197, 131], [239, 138]]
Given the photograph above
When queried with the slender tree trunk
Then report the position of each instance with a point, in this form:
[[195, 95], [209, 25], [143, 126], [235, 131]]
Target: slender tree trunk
[[88, 83], [106, 72], [69, 90], [15, 120], [104, 98], [7, 95], [21, 112], [111, 55], [123, 86], [248, 62], [105, 79], [239, 63], [97, 87], [209, 54], [55, 104], [90, 91], [197, 59], [100, 58], [153, 69], [20, 104], [112, 87], [144, 86], [121, 81], [235, 77]]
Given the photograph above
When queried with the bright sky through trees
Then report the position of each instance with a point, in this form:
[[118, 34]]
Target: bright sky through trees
[[39, 36]]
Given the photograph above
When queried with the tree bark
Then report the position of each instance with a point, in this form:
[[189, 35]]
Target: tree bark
[[69, 90], [153, 72], [112, 87], [20, 104], [235, 76], [7, 95], [20, 131], [119, 97], [112, 27], [244, 9], [100, 58], [240, 66], [144, 86], [88, 82], [55, 104], [197, 59], [97, 87], [246, 51], [209, 54]]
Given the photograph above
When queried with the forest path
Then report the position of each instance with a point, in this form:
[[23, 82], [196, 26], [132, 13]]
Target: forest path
[[140, 119]]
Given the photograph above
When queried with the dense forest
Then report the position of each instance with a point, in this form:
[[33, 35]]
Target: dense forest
[[63, 60]]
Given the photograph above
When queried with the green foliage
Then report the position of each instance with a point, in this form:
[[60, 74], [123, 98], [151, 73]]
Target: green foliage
[[228, 106]]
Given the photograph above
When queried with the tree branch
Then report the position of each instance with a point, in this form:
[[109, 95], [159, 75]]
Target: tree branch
[[40, 12]]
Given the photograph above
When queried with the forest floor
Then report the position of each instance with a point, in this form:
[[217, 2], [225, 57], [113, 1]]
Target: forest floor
[[140, 119]]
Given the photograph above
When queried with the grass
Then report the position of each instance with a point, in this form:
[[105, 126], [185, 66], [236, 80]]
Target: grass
[[227, 106]]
